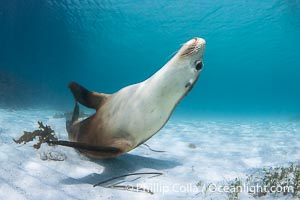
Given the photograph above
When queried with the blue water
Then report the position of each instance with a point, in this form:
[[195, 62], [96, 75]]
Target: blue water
[[251, 61]]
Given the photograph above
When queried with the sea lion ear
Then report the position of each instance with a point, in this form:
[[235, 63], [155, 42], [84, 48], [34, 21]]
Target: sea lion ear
[[87, 98]]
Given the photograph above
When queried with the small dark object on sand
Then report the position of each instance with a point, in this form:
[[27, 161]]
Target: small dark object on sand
[[192, 146]]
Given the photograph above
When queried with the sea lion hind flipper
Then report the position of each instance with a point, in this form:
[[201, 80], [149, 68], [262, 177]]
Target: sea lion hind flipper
[[87, 98], [75, 115]]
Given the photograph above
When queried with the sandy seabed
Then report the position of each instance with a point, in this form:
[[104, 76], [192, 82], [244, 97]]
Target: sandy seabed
[[197, 151]]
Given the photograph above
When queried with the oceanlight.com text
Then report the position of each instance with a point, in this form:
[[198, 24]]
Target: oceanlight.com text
[[212, 188]]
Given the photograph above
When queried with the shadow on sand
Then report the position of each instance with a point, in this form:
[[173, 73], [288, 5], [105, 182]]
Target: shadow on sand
[[128, 163]]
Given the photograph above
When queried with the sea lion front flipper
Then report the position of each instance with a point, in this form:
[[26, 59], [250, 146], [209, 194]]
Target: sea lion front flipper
[[86, 147], [87, 98]]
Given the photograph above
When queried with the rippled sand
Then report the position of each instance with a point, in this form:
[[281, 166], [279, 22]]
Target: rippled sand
[[206, 150]]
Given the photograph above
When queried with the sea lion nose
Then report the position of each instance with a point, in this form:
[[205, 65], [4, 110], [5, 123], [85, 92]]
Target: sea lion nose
[[200, 41], [196, 41]]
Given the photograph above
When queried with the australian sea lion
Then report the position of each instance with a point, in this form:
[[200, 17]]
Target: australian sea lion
[[129, 117]]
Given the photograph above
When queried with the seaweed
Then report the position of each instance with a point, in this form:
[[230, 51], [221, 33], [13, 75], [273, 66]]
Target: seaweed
[[287, 178], [45, 135], [281, 180], [234, 189]]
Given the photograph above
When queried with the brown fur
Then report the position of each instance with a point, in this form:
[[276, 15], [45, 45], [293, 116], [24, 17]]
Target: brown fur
[[92, 130]]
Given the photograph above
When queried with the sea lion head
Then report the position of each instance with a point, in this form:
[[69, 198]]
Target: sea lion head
[[186, 66]]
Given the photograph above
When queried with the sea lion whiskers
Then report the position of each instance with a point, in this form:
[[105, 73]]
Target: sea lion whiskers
[[193, 47], [191, 50]]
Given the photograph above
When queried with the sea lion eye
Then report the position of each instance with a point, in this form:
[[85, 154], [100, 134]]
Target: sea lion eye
[[199, 65]]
